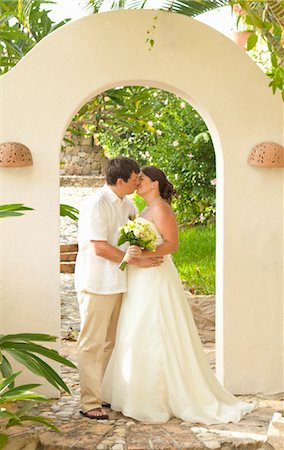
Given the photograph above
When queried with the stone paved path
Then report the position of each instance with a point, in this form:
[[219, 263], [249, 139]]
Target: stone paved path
[[255, 431], [123, 433]]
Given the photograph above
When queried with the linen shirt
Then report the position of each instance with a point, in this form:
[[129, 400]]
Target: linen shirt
[[99, 220]]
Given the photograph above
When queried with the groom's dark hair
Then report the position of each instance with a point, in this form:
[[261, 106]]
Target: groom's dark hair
[[120, 167]]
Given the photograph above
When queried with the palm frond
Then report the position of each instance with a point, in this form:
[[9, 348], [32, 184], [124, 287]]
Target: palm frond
[[22, 348], [276, 9], [40, 337], [13, 210], [187, 7], [69, 211]]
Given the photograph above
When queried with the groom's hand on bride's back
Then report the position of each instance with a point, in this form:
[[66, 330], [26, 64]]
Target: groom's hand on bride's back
[[152, 261]]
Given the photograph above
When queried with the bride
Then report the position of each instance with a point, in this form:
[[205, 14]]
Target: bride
[[158, 369]]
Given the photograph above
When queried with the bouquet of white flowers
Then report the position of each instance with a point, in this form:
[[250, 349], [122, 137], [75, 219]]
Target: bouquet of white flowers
[[136, 232]]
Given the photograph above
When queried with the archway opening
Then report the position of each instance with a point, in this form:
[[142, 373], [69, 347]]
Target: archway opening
[[153, 126]]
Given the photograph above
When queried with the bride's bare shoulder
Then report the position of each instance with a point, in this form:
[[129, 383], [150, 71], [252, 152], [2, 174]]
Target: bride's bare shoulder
[[162, 208]]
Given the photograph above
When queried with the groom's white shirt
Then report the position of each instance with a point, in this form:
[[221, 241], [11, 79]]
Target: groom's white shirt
[[100, 218]]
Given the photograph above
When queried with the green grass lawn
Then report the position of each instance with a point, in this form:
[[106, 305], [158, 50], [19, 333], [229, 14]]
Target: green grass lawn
[[195, 258]]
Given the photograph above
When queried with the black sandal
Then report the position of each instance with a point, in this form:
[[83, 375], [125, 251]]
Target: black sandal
[[102, 416], [106, 405]]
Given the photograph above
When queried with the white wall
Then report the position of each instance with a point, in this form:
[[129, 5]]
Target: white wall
[[39, 98]]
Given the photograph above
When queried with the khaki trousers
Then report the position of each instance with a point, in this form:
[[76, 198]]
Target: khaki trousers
[[99, 315]]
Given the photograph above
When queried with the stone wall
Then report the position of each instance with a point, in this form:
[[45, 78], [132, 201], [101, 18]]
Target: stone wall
[[81, 181], [81, 158]]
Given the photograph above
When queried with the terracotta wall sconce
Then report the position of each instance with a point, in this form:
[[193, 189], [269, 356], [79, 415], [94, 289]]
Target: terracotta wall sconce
[[267, 154], [14, 154]]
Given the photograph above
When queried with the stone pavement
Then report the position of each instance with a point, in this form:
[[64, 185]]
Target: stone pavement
[[256, 431]]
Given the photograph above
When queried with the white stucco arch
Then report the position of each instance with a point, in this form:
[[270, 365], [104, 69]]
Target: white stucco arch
[[39, 98]]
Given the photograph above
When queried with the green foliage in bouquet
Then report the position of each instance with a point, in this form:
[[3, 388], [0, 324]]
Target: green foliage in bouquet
[[137, 233]]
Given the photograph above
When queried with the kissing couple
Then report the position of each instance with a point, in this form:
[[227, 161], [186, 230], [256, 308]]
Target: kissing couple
[[138, 348]]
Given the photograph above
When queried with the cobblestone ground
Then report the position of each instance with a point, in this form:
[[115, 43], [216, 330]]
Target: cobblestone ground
[[256, 431]]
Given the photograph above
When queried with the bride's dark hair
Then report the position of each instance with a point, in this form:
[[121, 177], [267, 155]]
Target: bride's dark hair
[[167, 191]]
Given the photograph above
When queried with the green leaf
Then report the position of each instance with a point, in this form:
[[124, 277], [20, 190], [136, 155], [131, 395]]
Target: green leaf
[[277, 32], [28, 396], [12, 210], [3, 440], [204, 136], [5, 414], [274, 59], [35, 348], [5, 382], [251, 42], [26, 359], [20, 389], [43, 420], [70, 211], [68, 141], [15, 207], [27, 337], [5, 367], [50, 374], [39, 367], [9, 214]]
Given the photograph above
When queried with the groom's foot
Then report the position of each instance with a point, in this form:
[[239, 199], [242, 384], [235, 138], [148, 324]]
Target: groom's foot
[[96, 413]]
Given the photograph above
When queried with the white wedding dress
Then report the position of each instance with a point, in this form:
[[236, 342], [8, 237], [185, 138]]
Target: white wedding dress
[[158, 368]]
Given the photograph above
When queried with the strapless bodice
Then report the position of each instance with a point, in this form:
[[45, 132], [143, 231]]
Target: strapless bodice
[[159, 239]]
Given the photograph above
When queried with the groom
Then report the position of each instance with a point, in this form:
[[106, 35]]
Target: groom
[[98, 281]]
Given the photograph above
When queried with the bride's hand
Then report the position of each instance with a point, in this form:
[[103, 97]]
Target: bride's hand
[[134, 251]]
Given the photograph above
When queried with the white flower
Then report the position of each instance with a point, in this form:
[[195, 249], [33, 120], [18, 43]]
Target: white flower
[[201, 218], [175, 144], [182, 105], [158, 132], [213, 182], [150, 123], [190, 155]]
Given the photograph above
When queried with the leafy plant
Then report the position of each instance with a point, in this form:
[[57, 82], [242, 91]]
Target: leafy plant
[[175, 139], [22, 348], [12, 210], [12, 415], [69, 211], [186, 7], [16, 209], [23, 23], [264, 18]]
